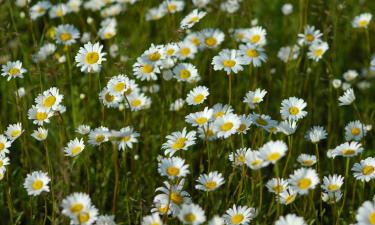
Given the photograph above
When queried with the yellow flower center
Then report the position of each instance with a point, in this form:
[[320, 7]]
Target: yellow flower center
[[348, 152], [108, 35], [256, 100], [196, 41], [176, 198], [59, 12], [355, 131], [333, 187], [362, 23], [146, 68], [83, 217], [278, 188], [180, 143], [184, 74], [210, 185], [173, 171], [310, 37], [172, 7], [14, 71], [304, 183], [367, 170], [229, 63], [290, 199], [49, 101], [194, 19], [219, 114], [201, 120], [136, 102], [318, 52], [307, 162], [154, 56], [76, 208], [261, 121], [37, 185], [252, 53], [293, 110], [119, 86], [255, 38], [242, 127], [274, 156], [14, 134], [1, 163], [109, 98], [241, 158], [65, 36], [99, 138], [226, 126], [76, 150], [190, 217], [237, 218], [198, 98], [163, 210], [41, 116], [371, 218], [126, 138], [185, 51], [256, 162], [92, 58], [2, 146], [210, 41], [170, 51]]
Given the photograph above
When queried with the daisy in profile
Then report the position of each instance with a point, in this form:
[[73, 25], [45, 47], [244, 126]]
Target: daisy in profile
[[331, 197], [315, 134], [366, 213], [309, 36], [173, 6], [253, 54], [153, 219], [40, 134], [180, 140], [106, 220], [288, 53], [172, 168], [362, 20], [364, 170], [49, 99], [74, 147], [347, 98], [98, 136], [197, 96], [303, 180], [317, 50], [207, 132], [39, 115], [293, 108], [83, 129], [14, 131], [199, 119], [263, 121], [254, 161], [127, 137], [177, 105], [306, 160], [228, 60], [350, 75], [245, 123], [226, 125], [4, 145], [210, 182], [355, 130], [13, 70], [272, 151], [192, 18], [66, 34], [36, 182], [288, 127], [239, 215], [185, 72], [4, 161], [277, 185], [256, 36], [211, 38], [90, 57], [144, 70], [58, 11], [220, 110], [290, 219], [118, 85], [287, 197], [347, 149], [191, 214], [39, 9], [253, 98], [332, 183], [238, 158]]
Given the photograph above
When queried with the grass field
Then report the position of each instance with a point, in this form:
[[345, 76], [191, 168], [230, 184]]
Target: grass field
[[187, 112]]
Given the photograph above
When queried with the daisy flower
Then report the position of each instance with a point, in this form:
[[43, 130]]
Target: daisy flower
[[191, 19], [287, 197], [144, 70], [256, 36], [186, 50], [197, 96], [207, 132], [155, 54], [179, 141], [228, 60], [127, 137], [36, 182], [109, 100], [75, 203], [118, 85], [364, 170], [39, 115], [292, 108], [253, 54], [277, 185], [355, 130], [40, 134], [253, 98], [14, 131], [173, 6], [49, 99], [12, 70], [74, 147], [245, 123], [272, 151], [138, 101], [366, 213], [347, 149], [362, 20], [288, 127], [286, 54], [238, 158], [4, 161], [317, 50], [191, 214], [350, 75], [290, 219], [239, 215], [98, 136], [211, 38], [58, 11], [86, 217], [199, 119], [90, 57], [315, 134], [106, 220], [185, 72], [263, 121], [309, 36], [216, 220], [39, 9], [347, 98], [332, 183], [83, 129], [153, 219], [254, 161], [226, 125], [306, 160], [4, 145], [332, 197], [172, 168], [66, 34], [303, 180], [210, 182], [221, 110], [177, 105]]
